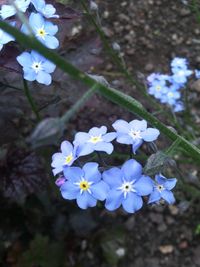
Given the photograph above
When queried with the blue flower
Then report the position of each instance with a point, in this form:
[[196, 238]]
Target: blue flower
[[178, 106], [162, 189], [9, 10], [134, 133], [179, 63], [65, 158], [158, 89], [157, 77], [197, 74], [171, 96], [180, 75], [36, 67], [97, 139], [5, 37], [44, 30], [47, 11], [127, 185], [84, 185]]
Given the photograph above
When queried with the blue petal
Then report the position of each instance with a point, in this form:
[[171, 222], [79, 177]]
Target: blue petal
[[51, 42], [143, 186], [85, 200], [95, 131], [170, 183], [138, 125], [66, 148], [109, 137], [132, 170], [69, 190], [38, 4], [57, 170], [50, 28], [91, 171], [121, 126], [30, 75], [103, 146], [48, 66], [113, 177], [136, 144], [168, 196], [114, 199], [160, 179], [25, 59], [81, 138], [36, 21], [85, 149], [37, 57], [43, 78], [57, 160], [150, 134], [132, 202], [7, 11], [154, 197], [73, 174], [49, 11], [100, 190], [124, 139]]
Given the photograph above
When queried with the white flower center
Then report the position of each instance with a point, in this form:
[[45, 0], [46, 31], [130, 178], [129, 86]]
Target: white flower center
[[41, 32], [158, 88], [135, 134], [37, 66], [170, 94], [95, 139], [160, 187], [127, 187], [84, 185]]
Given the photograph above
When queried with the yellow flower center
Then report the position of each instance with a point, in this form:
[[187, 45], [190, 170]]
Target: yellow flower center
[[158, 88], [68, 159], [95, 139], [41, 32], [170, 94], [84, 185]]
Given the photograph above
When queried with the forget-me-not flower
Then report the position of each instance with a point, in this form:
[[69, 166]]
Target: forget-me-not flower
[[197, 74], [43, 30], [10, 10], [97, 139], [134, 133], [5, 37], [179, 63], [180, 75], [158, 89], [127, 186], [36, 67], [85, 185], [65, 158], [47, 10], [162, 189]]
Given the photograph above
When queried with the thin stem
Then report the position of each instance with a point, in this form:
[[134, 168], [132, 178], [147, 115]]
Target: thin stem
[[65, 118], [30, 100]]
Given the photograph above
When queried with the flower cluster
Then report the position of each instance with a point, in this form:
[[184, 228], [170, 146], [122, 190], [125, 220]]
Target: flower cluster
[[35, 66], [118, 186], [167, 88]]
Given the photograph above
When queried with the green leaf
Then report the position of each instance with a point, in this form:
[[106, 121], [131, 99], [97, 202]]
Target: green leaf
[[115, 96]]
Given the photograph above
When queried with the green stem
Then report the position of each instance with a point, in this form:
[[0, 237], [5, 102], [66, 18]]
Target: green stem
[[65, 118], [30, 100], [114, 95]]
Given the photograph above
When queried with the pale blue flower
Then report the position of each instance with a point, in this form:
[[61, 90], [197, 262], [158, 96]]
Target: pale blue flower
[[162, 189], [84, 185], [10, 10], [36, 67], [97, 139], [47, 10], [134, 133], [5, 37], [65, 158], [127, 186], [197, 74], [179, 63], [180, 75], [158, 89], [43, 30]]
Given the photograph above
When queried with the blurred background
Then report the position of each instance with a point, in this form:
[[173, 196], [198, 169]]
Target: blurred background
[[40, 229]]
